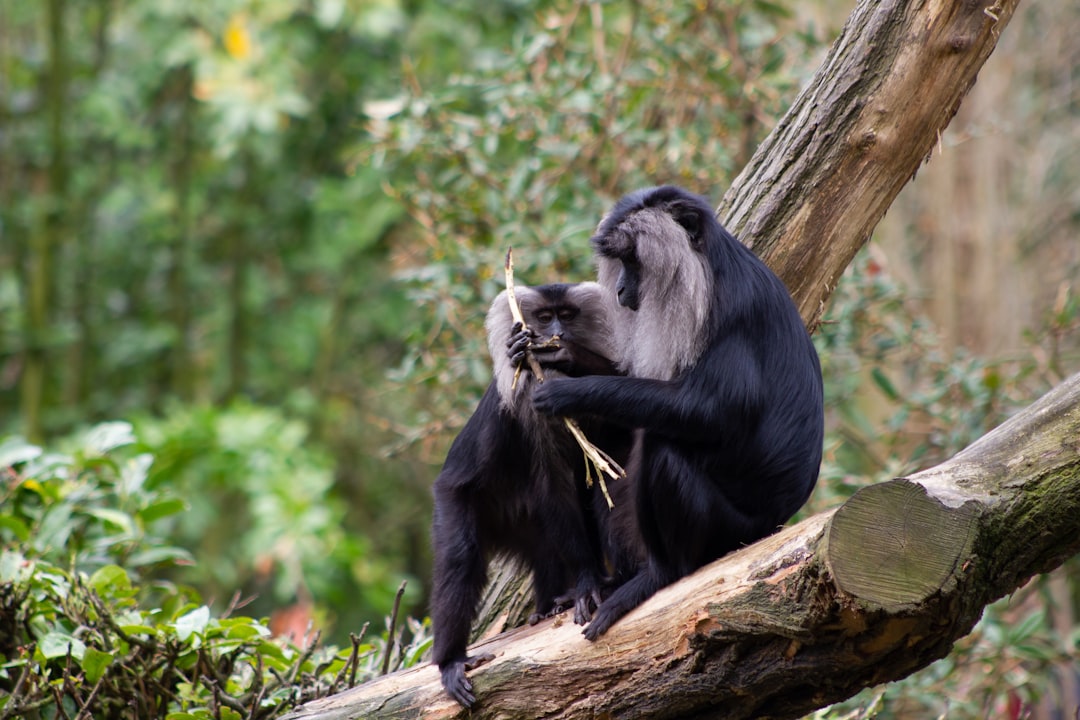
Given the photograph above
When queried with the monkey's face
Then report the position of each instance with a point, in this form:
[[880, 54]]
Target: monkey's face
[[555, 328]]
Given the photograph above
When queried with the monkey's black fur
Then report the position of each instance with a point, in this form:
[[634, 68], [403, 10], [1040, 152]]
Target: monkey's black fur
[[513, 481], [724, 383]]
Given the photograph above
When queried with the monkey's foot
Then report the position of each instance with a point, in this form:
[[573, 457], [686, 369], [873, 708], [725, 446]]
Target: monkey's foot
[[455, 682]]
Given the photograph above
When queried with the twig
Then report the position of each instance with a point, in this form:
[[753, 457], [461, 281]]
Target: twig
[[355, 657], [515, 312], [84, 711], [390, 642], [595, 459]]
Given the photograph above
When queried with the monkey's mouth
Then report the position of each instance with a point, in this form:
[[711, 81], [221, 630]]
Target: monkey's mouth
[[551, 351]]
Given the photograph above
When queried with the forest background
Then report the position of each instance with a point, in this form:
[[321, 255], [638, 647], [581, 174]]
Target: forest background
[[265, 234]]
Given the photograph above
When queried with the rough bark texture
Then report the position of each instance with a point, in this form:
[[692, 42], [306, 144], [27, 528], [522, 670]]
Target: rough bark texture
[[885, 584], [869, 592], [814, 190]]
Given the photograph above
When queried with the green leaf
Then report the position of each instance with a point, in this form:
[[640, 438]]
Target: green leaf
[[153, 556], [15, 450], [108, 436], [193, 622], [165, 508], [95, 663], [1028, 626], [243, 628], [56, 644], [884, 383], [14, 567], [108, 579], [137, 629], [135, 471], [17, 527], [116, 518]]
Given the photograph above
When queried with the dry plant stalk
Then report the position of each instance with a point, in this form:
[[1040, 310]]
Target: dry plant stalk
[[597, 462]]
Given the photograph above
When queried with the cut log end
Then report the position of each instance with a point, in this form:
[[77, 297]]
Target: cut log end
[[894, 545]]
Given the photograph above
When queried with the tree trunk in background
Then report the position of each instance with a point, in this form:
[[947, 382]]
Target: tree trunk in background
[[181, 372], [48, 236], [816, 187], [982, 271], [238, 231]]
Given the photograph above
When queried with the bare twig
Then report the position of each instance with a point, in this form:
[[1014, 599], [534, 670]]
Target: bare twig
[[390, 642], [355, 657]]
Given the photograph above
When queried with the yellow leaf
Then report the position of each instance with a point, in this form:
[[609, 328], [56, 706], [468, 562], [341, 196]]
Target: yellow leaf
[[237, 39]]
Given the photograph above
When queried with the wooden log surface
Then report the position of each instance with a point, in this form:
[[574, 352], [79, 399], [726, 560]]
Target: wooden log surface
[[846, 599]]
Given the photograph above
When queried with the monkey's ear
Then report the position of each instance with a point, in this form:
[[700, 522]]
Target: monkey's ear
[[689, 217]]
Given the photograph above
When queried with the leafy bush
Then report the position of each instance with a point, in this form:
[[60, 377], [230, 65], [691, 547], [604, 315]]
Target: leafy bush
[[88, 629], [283, 537]]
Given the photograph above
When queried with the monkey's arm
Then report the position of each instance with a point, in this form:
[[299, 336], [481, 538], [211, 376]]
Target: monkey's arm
[[458, 575], [460, 564], [725, 383]]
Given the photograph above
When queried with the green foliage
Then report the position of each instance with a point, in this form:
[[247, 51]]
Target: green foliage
[[283, 536], [197, 231], [528, 150], [897, 399], [87, 627]]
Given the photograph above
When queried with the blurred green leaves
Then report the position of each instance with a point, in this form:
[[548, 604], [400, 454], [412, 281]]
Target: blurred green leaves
[[85, 626]]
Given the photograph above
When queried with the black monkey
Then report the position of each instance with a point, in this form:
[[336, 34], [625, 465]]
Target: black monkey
[[513, 481], [723, 384]]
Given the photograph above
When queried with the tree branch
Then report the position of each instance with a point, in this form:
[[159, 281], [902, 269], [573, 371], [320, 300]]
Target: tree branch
[[849, 598], [816, 187]]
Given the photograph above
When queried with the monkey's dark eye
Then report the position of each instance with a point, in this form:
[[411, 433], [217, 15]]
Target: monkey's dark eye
[[567, 314], [544, 317]]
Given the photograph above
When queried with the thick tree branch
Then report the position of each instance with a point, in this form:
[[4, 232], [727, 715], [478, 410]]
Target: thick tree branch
[[814, 190], [867, 593]]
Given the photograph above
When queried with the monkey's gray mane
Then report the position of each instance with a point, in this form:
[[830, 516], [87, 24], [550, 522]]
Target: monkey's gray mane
[[667, 333], [593, 328]]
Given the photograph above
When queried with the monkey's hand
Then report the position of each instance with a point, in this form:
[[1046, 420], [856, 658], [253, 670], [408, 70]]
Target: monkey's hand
[[555, 397], [522, 341], [586, 601], [455, 682]]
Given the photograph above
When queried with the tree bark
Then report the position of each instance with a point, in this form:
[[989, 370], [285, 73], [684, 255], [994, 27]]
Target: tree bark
[[873, 113], [885, 584], [869, 592]]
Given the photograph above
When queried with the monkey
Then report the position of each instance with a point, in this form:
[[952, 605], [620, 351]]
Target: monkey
[[514, 481], [720, 381]]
